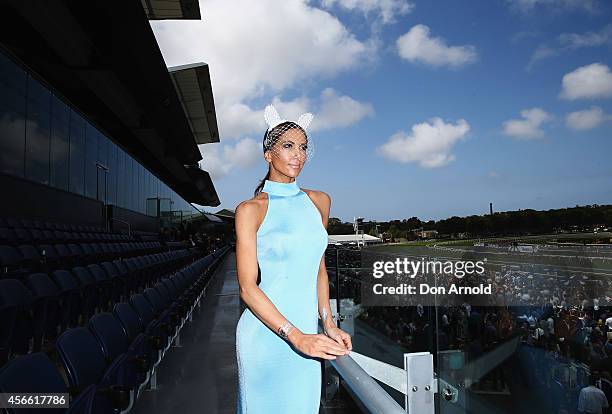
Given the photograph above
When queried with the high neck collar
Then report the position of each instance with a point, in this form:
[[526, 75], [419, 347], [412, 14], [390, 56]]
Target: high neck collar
[[281, 189]]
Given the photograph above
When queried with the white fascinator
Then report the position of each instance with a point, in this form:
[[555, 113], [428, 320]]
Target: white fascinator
[[273, 119]]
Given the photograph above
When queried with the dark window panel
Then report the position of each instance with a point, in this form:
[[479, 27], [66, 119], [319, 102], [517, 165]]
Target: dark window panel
[[11, 98], [129, 183], [112, 173], [121, 174], [134, 188], [60, 144], [103, 149], [142, 190], [77, 153], [91, 155], [38, 131], [12, 142], [38, 92]]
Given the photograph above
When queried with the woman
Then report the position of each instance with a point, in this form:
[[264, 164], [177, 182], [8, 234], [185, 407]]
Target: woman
[[283, 230]]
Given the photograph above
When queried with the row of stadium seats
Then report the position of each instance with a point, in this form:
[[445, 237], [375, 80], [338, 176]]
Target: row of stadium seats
[[15, 231], [16, 223], [39, 306], [15, 236], [110, 361], [16, 261]]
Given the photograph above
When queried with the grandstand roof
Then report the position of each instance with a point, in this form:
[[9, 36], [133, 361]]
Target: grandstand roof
[[225, 213], [103, 58], [171, 9], [192, 83]]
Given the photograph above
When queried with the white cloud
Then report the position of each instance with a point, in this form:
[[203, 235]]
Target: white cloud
[[429, 143], [590, 81], [529, 126], [417, 45], [220, 160], [254, 53], [386, 10], [586, 119], [339, 111], [527, 6], [330, 111], [240, 119], [257, 51], [572, 41], [590, 39], [541, 53]]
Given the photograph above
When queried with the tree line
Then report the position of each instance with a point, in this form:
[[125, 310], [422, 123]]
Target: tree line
[[505, 223]]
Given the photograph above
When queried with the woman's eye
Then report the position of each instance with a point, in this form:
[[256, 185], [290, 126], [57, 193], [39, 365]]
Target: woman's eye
[[287, 146]]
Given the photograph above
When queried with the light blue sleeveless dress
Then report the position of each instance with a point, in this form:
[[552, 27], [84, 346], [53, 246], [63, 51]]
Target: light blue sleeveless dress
[[274, 377]]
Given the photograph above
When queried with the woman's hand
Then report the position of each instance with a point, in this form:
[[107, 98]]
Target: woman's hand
[[341, 337], [318, 345]]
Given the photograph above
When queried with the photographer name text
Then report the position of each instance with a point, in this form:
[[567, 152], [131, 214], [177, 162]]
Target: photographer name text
[[426, 289]]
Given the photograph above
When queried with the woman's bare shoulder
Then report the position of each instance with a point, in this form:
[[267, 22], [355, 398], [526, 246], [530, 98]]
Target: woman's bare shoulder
[[252, 208], [321, 198]]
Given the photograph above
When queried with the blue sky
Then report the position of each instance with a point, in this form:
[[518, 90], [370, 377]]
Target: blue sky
[[424, 108]]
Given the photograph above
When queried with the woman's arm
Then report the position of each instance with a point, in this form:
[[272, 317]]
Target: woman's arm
[[325, 313], [247, 215]]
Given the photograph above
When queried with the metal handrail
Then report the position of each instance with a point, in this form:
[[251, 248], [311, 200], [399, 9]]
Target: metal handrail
[[370, 393]]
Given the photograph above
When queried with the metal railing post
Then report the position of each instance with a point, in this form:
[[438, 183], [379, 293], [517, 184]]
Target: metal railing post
[[338, 286]]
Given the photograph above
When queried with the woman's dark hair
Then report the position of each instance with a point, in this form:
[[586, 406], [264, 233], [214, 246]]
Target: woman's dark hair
[[273, 136]]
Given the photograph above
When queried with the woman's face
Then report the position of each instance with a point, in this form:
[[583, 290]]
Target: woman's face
[[289, 153]]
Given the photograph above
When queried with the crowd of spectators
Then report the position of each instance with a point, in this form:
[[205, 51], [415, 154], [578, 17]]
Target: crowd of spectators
[[560, 317]]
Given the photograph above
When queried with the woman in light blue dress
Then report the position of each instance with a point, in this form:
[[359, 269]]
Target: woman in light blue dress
[[282, 231]]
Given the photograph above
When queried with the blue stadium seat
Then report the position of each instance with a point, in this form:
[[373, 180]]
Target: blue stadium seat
[[85, 365], [88, 251], [23, 235], [7, 236], [35, 373], [118, 282], [46, 307], [71, 298], [31, 258], [114, 342], [15, 305], [50, 256], [131, 282], [137, 273], [11, 262], [79, 256], [152, 326], [89, 291], [65, 256], [104, 285]]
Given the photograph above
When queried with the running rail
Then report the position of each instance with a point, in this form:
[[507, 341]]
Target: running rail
[[369, 392]]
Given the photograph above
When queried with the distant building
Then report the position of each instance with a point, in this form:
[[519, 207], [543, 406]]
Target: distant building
[[428, 234], [364, 239]]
